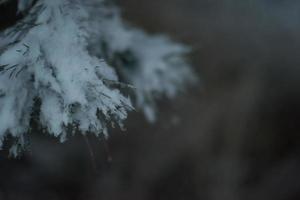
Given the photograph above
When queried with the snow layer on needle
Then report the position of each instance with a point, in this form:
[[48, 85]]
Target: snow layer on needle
[[61, 54], [47, 58]]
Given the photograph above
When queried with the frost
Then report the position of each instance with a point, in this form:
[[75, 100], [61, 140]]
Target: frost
[[74, 57]]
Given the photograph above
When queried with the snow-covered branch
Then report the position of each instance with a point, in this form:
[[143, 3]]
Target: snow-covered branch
[[72, 56]]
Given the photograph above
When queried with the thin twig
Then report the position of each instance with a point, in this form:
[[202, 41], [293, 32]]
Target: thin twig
[[107, 151], [93, 158]]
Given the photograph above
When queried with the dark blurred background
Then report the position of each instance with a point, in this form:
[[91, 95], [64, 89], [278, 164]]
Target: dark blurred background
[[235, 136]]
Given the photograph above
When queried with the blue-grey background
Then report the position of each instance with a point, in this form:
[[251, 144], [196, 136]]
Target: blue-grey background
[[235, 136]]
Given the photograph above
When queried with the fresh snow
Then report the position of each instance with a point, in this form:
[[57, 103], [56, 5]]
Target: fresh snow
[[76, 57]]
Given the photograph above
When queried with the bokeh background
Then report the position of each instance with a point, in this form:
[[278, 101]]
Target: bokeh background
[[234, 136]]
